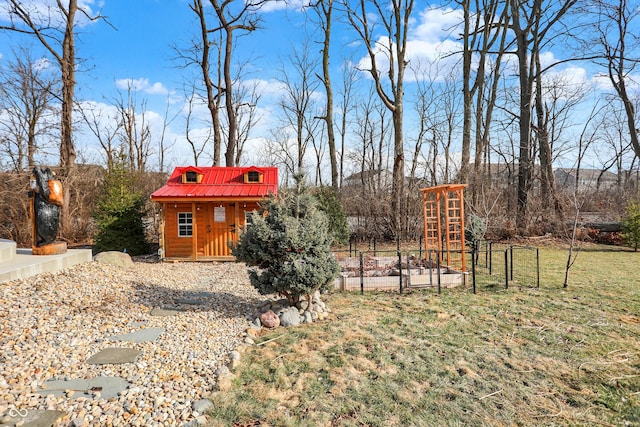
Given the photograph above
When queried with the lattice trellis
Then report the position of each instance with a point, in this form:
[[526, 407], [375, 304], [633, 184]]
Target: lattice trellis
[[443, 207]]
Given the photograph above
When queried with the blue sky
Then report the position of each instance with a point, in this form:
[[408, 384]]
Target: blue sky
[[136, 49]]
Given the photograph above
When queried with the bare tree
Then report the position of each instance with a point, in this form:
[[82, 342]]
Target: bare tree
[[162, 143], [245, 104], [199, 140], [618, 40], [105, 128], [233, 18], [134, 131], [349, 77], [55, 30], [531, 22], [390, 46], [324, 10], [615, 149], [371, 156], [483, 28], [26, 115], [200, 54], [297, 103], [281, 151]]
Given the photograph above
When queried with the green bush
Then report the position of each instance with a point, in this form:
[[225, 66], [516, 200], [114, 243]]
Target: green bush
[[631, 224], [329, 204], [119, 213], [288, 246]]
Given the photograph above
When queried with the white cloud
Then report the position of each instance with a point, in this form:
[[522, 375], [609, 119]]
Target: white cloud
[[428, 42], [278, 5], [42, 64], [436, 24], [142, 85], [266, 88]]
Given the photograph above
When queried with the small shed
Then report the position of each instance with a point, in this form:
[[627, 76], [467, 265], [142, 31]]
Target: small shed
[[203, 209]]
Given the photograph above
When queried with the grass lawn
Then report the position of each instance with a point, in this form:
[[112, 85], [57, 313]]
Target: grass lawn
[[548, 356]]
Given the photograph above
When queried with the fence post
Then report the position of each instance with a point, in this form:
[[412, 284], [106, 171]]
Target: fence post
[[374, 246], [473, 275], [400, 268], [490, 258], [361, 274], [408, 270], [486, 254], [506, 269], [438, 270], [420, 245], [350, 245], [430, 270], [511, 262], [538, 267]]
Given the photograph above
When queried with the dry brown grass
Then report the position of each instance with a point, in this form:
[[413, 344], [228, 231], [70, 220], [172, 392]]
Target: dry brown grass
[[548, 356]]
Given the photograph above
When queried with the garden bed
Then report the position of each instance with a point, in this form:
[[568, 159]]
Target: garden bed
[[383, 273]]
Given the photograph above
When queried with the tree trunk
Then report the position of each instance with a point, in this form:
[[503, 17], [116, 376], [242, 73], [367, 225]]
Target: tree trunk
[[67, 148], [524, 145], [228, 100]]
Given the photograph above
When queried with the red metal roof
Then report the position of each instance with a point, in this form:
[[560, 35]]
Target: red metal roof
[[219, 182]]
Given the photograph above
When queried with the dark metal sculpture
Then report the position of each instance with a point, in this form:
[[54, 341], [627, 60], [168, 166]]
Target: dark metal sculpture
[[46, 213]]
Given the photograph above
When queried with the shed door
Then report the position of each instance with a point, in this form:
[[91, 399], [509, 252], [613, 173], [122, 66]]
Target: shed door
[[219, 229]]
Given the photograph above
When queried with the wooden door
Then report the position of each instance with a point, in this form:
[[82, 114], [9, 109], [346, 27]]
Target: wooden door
[[217, 226], [223, 229]]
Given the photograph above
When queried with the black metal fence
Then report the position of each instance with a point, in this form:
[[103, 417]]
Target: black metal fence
[[489, 266]]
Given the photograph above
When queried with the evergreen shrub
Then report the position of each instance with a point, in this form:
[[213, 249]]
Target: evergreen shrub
[[119, 212], [288, 246]]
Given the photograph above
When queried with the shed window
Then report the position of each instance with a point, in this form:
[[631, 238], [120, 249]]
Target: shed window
[[185, 224], [253, 176], [191, 176], [248, 219]]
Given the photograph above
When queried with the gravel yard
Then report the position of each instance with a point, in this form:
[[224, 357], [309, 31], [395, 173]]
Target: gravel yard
[[51, 324]]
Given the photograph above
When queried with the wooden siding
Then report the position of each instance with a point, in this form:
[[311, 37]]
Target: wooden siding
[[176, 246], [211, 234]]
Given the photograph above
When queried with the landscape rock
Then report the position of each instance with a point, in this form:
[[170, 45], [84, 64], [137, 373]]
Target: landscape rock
[[234, 358], [269, 319], [119, 259], [290, 317], [202, 406], [308, 318]]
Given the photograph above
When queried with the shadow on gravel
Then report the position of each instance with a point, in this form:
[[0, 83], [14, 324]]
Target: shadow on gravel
[[167, 299]]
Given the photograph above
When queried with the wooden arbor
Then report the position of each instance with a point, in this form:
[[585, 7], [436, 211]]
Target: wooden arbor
[[443, 207]]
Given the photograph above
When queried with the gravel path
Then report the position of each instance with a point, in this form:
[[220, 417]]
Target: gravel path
[[52, 323]]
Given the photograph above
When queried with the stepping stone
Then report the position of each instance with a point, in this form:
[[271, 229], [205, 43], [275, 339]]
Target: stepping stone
[[31, 417], [194, 298], [108, 387], [114, 356], [142, 335], [163, 312], [200, 294]]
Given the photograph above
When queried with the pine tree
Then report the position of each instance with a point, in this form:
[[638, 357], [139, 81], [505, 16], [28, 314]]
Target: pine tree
[[288, 246], [631, 224], [329, 204], [119, 213]]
